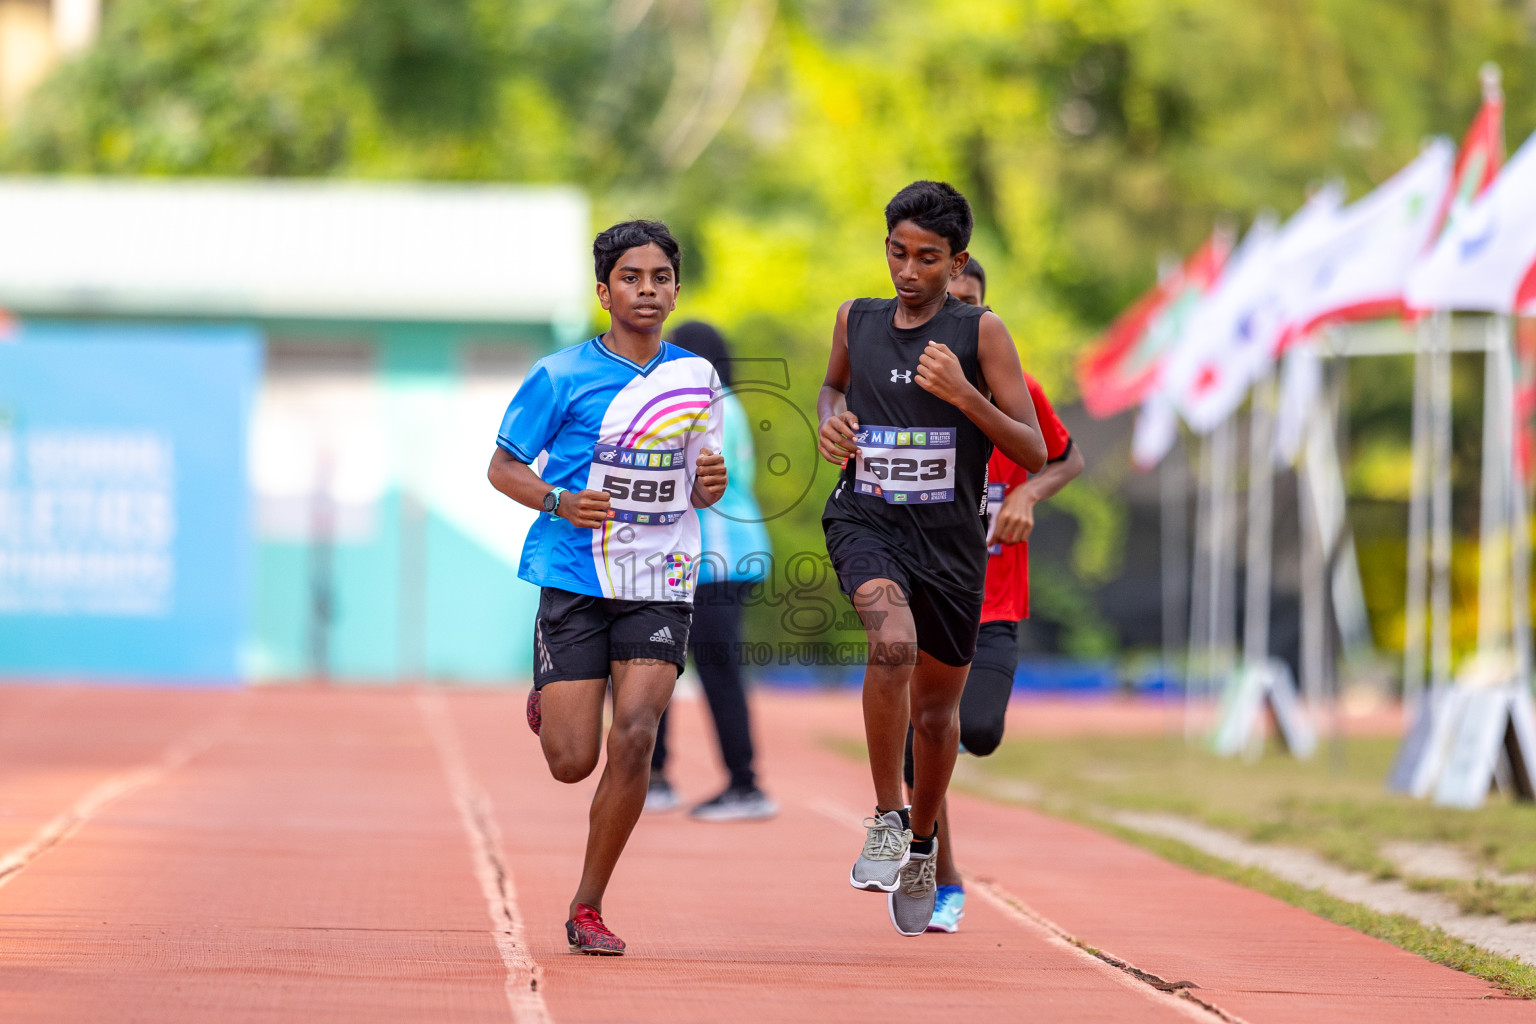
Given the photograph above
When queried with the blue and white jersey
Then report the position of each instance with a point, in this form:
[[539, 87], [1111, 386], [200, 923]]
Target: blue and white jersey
[[736, 547], [610, 424]]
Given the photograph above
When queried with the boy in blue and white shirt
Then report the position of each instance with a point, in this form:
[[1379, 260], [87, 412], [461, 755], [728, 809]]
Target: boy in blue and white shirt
[[631, 426]]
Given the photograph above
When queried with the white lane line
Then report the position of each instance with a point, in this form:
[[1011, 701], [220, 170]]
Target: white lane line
[[491, 865], [65, 824], [1016, 910]]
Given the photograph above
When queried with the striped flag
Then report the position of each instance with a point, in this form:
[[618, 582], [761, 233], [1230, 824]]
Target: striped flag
[[1119, 371], [1232, 340], [1359, 272], [1481, 156], [1486, 260]]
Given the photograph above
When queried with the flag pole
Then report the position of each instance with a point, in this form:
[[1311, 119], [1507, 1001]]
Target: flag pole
[[1494, 562], [1172, 478], [1440, 503], [1223, 609], [1519, 496], [1517, 525], [1261, 458], [1418, 527], [1199, 576], [1314, 614]]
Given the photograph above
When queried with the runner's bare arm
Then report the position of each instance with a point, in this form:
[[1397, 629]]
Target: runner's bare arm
[[710, 478], [1009, 419], [518, 481], [1016, 519], [838, 425]]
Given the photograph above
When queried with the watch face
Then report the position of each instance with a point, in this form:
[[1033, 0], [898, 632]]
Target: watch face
[[551, 501]]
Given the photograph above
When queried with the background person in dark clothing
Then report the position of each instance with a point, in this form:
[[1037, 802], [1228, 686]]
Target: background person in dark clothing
[[733, 532]]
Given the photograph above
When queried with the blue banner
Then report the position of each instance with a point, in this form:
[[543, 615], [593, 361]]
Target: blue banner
[[124, 503]]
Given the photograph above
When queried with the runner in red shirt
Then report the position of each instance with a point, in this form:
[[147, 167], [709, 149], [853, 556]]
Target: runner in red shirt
[[1012, 495]]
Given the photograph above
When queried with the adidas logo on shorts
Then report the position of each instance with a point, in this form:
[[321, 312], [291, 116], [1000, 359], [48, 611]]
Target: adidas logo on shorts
[[662, 636]]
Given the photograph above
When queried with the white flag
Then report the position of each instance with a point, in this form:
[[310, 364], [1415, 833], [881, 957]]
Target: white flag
[[1486, 262], [1301, 382], [1157, 428], [1359, 271], [1232, 339]]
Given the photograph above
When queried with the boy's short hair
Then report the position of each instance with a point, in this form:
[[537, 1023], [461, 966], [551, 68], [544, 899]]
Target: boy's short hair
[[974, 269], [933, 206], [619, 239]]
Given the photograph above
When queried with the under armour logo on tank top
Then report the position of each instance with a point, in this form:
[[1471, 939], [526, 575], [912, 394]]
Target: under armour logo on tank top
[[920, 476]]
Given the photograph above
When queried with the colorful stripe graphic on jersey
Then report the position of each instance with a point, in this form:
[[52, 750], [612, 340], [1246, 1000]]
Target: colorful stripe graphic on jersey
[[633, 431]]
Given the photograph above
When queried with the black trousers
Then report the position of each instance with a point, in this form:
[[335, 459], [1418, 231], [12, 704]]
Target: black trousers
[[714, 640]]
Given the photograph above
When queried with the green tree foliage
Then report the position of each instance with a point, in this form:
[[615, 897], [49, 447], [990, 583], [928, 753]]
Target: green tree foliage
[[1093, 136]]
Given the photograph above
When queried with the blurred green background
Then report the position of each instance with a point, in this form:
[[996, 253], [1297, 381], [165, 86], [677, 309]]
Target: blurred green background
[[1092, 136]]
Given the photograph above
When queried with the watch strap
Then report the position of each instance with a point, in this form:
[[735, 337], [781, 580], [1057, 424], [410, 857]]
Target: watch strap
[[552, 499]]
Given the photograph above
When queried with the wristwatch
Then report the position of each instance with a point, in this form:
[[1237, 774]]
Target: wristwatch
[[552, 501]]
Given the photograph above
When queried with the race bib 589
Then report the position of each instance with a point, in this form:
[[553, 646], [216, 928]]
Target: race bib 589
[[645, 487]]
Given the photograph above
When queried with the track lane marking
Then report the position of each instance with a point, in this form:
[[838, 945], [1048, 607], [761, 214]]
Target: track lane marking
[[1175, 997], [492, 868], [66, 823]]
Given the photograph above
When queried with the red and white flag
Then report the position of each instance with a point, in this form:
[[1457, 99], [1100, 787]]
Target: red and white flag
[[1233, 338], [1486, 260], [1481, 155], [1359, 272], [1122, 368]]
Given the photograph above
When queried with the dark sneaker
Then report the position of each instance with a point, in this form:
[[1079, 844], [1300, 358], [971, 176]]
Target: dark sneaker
[[535, 711], [750, 804], [659, 795], [885, 853], [913, 901], [587, 934]]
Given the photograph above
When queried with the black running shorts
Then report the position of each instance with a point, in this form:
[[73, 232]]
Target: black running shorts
[[946, 618], [576, 636]]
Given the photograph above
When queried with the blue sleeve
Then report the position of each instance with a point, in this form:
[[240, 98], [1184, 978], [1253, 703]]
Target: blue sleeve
[[533, 416]]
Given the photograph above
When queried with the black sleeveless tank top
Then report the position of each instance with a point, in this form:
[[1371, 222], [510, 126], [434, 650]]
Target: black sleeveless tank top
[[921, 481]]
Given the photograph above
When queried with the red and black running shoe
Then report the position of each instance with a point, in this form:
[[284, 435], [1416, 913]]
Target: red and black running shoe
[[587, 934], [535, 711]]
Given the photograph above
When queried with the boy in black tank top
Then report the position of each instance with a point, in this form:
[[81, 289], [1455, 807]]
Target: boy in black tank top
[[918, 390]]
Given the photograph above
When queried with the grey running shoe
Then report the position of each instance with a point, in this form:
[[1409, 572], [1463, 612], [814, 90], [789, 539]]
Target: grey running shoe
[[750, 804], [659, 795], [912, 903], [886, 850]]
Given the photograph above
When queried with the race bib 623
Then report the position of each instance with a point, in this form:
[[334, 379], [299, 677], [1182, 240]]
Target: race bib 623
[[906, 465]]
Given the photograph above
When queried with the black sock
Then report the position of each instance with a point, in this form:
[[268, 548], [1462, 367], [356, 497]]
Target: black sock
[[905, 812], [923, 845]]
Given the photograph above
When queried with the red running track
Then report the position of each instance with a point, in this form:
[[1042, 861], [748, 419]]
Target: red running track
[[395, 855]]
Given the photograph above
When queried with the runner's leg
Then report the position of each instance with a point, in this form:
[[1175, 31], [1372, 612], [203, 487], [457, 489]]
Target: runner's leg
[[641, 690], [984, 705], [571, 734], [983, 713], [887, 619], [936, 689]]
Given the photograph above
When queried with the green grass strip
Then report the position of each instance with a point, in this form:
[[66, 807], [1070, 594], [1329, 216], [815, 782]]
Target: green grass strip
[[1430, 942]]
